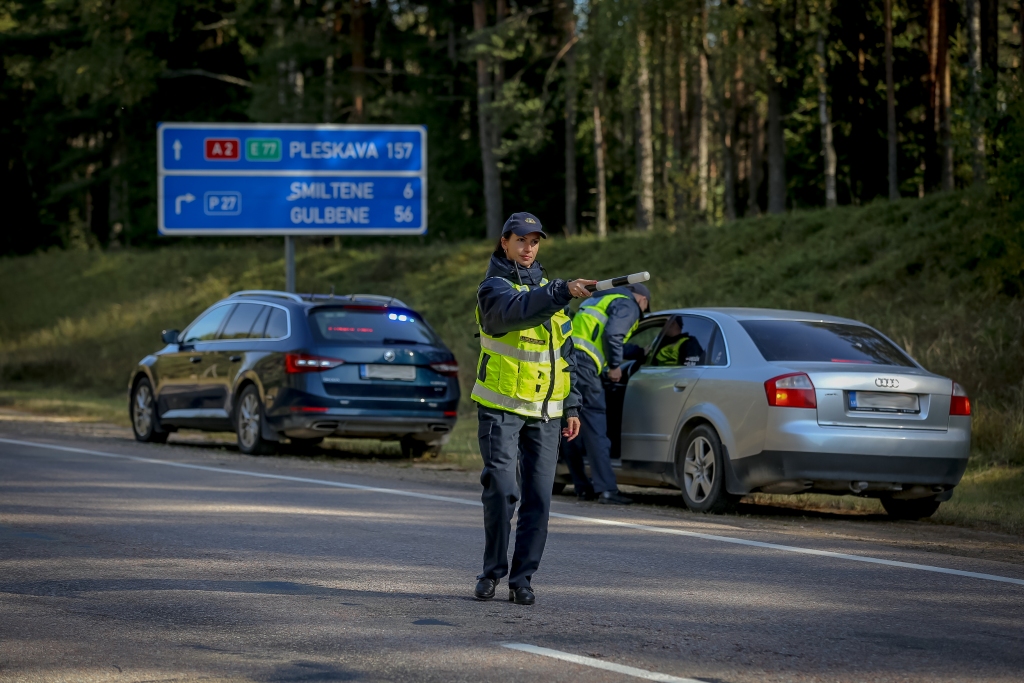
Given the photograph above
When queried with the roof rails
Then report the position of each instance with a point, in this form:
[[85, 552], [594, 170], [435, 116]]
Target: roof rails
[[266, 292], [385, 300]]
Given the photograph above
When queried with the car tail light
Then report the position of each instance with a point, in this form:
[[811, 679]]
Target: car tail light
[[959, 403], [791, 391], [301, 362], [451, 413], [451, 368]]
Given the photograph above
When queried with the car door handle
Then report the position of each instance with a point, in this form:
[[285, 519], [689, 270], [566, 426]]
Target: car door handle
[[680, 386], [195, 359], [234, 359]]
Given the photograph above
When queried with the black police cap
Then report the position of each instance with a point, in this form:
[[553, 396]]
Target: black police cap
[[522, 224]]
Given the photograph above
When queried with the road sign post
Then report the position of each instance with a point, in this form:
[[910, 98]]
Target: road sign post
[[280, 179]]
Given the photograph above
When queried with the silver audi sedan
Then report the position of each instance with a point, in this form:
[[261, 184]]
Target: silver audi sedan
[[722, 402]]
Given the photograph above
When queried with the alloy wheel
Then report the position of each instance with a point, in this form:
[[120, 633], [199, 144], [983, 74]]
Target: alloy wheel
[[699, 469], [142, 410], [249, 420]]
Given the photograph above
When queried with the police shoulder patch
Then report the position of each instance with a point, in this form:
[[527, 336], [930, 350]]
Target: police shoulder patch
[[567, 327]]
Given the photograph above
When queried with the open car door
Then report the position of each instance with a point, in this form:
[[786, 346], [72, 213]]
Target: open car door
[[644, 339]]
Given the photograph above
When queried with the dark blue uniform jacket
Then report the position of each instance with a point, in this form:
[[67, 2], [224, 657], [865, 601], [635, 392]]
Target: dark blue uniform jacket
[[504, 309]]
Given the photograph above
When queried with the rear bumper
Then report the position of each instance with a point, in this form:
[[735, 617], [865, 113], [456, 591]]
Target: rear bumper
[[869, 475], [305, 415], [430, 426]]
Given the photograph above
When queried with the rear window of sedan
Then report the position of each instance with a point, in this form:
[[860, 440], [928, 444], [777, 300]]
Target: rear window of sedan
[[822, 342], [373, 324]]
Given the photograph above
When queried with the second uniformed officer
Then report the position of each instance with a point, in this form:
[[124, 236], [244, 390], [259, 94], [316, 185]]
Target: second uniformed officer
[[599, 332], [524, 385]]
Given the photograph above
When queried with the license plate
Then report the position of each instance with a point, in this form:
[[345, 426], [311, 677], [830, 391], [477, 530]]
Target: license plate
[[884, 402], [404, 373]]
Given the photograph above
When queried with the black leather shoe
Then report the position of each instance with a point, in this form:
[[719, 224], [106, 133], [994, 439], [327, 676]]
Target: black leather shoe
[[521, 596], [586, 495], [485, 589], [614, 498]]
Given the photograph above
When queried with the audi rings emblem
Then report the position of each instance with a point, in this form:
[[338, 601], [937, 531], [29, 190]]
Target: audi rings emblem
[[389, 356], [887, 383]]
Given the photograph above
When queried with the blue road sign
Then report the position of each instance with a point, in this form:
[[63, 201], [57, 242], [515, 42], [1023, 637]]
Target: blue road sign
[[264, 179]]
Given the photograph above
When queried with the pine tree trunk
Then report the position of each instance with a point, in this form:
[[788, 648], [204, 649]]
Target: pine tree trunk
[[890, 106], [358, 31], [828, 150], [730, 92], [669, 117], [776, 138], [597, 92], [645, 144], [492, 180], [776, 150], [704, 133], [975, 78], [754, 173], [569, 22], [947, 178]]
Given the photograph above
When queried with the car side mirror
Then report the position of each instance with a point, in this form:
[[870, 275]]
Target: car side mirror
[[169, 336]]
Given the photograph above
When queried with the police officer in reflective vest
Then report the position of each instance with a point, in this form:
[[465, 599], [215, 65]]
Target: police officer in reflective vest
[[525, 386], [599, 332]]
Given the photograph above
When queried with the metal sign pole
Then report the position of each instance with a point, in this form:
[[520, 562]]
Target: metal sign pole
[[289, 264]]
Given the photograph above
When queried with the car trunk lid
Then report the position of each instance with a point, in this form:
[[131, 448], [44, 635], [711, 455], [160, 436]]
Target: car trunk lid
[[878, 396]]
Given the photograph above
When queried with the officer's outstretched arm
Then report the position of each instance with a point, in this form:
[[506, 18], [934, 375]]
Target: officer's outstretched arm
[[505, 309]]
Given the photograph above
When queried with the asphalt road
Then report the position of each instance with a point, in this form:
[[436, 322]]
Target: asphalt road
[[127, 562]]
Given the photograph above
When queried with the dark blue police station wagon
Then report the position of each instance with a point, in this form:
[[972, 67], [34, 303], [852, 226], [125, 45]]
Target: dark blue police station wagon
[[273, 365]]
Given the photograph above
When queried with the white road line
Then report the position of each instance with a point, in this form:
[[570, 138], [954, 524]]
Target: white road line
[[559, 515], [598, 663]]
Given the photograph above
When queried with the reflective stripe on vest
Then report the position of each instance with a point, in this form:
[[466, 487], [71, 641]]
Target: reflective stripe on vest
[[588, 328], [523, 371], [482, 394], [504, 349]]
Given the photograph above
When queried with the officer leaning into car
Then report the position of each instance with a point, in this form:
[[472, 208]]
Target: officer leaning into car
[[599, 333], [525, 384]]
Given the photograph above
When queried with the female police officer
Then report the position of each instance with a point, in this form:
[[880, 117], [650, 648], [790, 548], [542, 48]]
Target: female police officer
[[524, 386]]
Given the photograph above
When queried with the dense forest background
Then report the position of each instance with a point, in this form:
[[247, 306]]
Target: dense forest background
[[604, 115]]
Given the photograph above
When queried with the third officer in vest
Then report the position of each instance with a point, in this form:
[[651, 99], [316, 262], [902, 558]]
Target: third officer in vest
[[599, 332]]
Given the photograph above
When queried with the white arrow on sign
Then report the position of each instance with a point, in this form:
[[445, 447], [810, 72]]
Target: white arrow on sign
[[177, 152], [182, 198]]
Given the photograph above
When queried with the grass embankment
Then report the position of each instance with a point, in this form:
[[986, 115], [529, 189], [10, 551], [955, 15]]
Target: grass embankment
[[942, 276]]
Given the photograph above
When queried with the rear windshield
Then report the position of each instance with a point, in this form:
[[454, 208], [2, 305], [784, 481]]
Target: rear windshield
[[817, 342], [370, 324]]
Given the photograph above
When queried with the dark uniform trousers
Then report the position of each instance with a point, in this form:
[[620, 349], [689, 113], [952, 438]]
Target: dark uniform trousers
[[520, 455], [593, 438]]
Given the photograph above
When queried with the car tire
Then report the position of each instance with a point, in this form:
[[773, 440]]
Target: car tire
[[249, 423], [700, 472], [557, 488], [917, 508], [142, 410]]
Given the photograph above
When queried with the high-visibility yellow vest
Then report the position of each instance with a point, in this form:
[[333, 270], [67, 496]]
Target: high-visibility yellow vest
[[523, 372], [669, 355], [588, 328]]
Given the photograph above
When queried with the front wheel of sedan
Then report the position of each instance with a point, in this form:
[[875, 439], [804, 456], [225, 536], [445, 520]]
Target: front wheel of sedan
[[917, 508], [248, 423], [143, 409], [700, 471]]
